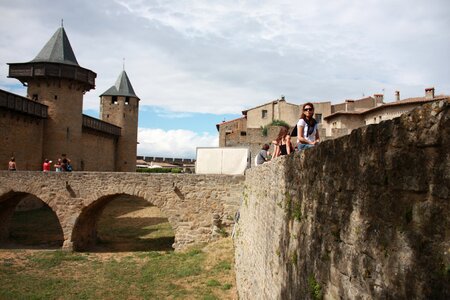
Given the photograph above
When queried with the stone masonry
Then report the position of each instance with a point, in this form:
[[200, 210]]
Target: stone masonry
[[197, 206], [365, 216]]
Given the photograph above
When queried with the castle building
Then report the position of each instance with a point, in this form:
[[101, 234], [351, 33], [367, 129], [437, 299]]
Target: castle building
[[49, 123]]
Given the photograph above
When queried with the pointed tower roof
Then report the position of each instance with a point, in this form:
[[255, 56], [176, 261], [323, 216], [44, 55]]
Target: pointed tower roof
[[57, 50], [122, 87]]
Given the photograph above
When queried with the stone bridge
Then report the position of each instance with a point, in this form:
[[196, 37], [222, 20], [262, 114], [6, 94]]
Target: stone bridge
[[195, 205]]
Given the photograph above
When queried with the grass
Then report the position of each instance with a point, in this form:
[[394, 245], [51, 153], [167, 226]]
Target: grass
[[203, 272], [43, 274]]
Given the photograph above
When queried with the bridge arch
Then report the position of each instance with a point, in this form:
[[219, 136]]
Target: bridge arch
[[36, 223], [85, 231], [198, 207]]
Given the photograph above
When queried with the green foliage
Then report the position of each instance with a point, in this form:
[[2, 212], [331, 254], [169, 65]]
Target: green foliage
[[159, 170], [297, 212], [226, 286], [47, 260], [223, 265], [222, 232], [294, 258], [314, 288], [279, 123], [264, 130], [213, 282]]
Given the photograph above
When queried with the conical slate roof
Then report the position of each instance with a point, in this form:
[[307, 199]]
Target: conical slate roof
[[57, 50], [122, 87]]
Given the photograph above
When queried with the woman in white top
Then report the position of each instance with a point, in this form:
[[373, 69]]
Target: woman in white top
[[307, 131]]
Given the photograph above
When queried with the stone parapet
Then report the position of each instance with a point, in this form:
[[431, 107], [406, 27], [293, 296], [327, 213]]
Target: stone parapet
[[365, 216]]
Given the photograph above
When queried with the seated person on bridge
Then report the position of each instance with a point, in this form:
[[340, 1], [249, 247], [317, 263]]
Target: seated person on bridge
[[308, 133], [283, 145], [263, 155]]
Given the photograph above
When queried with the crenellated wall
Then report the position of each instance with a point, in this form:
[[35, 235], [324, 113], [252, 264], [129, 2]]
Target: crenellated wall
[[365, 216]]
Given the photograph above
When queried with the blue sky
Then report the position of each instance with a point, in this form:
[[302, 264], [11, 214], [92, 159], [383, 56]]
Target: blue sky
[[194, 63]]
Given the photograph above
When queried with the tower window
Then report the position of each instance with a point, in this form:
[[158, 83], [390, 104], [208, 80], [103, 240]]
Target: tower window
[[127, 100], [35, 97], [114, 100], [56, 97]]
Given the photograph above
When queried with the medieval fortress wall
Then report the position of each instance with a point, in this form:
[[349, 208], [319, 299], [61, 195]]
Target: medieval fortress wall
[[365, 216]]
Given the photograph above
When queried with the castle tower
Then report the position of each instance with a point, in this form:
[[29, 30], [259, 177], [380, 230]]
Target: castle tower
[[54, 78], [119, 105]]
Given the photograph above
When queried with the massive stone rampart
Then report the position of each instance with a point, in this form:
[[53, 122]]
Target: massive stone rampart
[[365, 216]]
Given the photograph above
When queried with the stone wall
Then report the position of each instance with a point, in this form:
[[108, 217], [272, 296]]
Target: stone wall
[[199, 207], [21, 136], [365, 216], [103, 160]]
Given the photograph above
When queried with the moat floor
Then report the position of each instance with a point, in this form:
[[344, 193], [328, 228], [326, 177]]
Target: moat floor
[[133, 259]]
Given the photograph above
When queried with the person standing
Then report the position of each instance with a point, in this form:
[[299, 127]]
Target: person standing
[[46, 165], [307, 128], [58, 165], [12, 164]]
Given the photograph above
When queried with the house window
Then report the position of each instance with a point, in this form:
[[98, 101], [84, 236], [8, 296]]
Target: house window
[[243, 133], [264, 113], [114, 100], [56, 97], [35, 97], [318, 118]]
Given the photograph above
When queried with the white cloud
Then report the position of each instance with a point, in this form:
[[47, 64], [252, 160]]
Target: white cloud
[[173, 143], [223, 57]]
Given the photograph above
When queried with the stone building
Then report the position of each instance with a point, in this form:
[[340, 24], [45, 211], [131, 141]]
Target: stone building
[[49, 122], [253, 128], [342, 122]]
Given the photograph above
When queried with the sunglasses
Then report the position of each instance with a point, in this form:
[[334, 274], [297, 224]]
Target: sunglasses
[[309, 109]]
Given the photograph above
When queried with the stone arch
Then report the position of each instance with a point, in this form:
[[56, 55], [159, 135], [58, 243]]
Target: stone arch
[[85, 230], [10, 200]]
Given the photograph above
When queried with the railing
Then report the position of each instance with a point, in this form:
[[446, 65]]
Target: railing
[[39, 69], [23, 105], [102, 126]]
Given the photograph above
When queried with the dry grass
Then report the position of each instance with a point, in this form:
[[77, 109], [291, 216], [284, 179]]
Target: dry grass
[[199, 273]]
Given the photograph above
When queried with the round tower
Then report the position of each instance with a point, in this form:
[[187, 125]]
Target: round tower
[[55, 79], [119, 105]]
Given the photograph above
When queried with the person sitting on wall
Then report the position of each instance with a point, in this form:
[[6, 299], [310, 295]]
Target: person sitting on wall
[[12, 164], [263, 155], [46, 165], [308, 133], [282, 144]]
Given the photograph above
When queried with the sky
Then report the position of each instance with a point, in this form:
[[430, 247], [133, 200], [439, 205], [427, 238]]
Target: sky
[[196, 63]]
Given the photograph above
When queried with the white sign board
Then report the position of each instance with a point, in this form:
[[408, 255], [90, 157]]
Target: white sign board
[[229, 161]]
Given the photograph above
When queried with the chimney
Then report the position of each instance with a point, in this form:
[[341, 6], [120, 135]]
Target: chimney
[[378, 99], [397, 95], [282, 98], [429, 93]]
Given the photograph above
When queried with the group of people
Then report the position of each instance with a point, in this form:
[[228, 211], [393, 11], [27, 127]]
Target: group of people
[[307, 136], [62, 165]]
